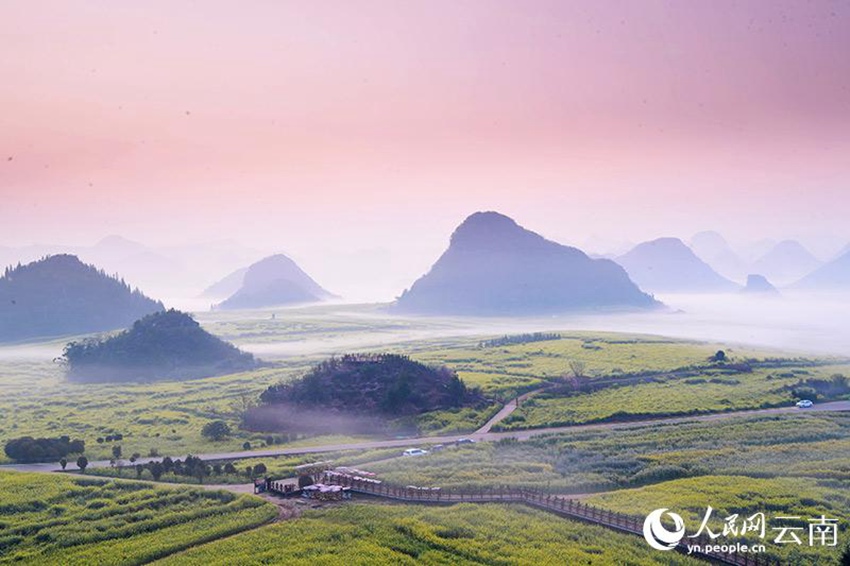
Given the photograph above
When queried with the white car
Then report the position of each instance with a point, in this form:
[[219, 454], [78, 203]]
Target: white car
[[414, 452], [804, 403]]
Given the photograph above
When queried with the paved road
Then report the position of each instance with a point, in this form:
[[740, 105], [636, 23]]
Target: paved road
[[505, 411], [478, 437]]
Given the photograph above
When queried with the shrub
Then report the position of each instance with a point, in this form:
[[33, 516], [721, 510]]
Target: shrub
[[216, 430], [29, 449]]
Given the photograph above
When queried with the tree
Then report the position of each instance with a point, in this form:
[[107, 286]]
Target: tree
[[246, 446], [577, 367], [139, 469], [63, 462], [116, 451], [229, 468], [82, 463], [216, 430], [260, 469], [156, 469], [719, 356]]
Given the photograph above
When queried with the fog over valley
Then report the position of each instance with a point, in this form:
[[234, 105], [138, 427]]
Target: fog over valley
[[388, 283]]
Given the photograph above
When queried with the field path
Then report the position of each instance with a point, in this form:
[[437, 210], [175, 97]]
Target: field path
[[506, 411]]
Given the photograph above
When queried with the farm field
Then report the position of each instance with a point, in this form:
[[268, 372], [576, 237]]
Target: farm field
[[608, 459], [60, 519], [35, 400], [708, 391], [166, 418], [403, 534]]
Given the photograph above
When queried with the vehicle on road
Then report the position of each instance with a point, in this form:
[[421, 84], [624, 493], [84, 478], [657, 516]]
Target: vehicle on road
[[464, 441], [804, 403], [414, 452]]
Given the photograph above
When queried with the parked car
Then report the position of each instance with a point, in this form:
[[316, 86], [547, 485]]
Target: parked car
[[437, 447], [464, 441], [804, 403], [414, 452]]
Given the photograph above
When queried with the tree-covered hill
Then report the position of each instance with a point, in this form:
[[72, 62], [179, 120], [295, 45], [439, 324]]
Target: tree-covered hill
[[384, 384], [163, 345], [60, 295]]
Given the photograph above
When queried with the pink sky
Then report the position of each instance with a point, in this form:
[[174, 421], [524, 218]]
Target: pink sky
[[333, 125]]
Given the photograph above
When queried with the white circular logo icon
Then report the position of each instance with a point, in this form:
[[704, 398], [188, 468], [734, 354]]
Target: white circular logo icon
[[657, 534]]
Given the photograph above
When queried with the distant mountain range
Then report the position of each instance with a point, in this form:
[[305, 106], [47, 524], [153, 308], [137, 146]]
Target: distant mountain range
[[833, 276], [273, 281], [786, 262], [60, 295], [667, 265], [164, 271], [713, 249], [495, 267], [783, 263]]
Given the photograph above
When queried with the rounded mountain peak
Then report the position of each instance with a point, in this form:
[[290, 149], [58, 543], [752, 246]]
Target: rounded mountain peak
[[488, 229]]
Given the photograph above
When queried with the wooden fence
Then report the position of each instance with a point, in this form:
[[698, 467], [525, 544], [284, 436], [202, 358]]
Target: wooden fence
[[558, 505]]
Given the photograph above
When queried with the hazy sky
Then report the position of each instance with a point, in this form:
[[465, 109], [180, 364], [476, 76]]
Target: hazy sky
[[334, 125]]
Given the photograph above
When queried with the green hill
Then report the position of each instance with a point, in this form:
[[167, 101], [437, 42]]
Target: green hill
[[60, 295], [164, 345], [358, 392], [388, 384]]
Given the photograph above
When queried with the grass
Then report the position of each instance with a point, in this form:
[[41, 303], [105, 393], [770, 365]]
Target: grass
[[277, 467], [706, 391], [74, 520], [776, 497], [398, 534], [764, 446], [167, 417]]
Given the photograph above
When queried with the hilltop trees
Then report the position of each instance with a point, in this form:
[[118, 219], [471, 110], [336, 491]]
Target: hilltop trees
[[362, 392], [386, 384], [60, 295], [163, 345]]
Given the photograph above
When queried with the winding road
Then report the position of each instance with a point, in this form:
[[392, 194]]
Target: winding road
[[477, 436]]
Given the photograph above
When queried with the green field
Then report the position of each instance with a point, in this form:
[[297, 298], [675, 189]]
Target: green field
[[762, 461], [56, 519], [167, 417], [35, 400], [605, 459], [707, 392], [399, 534]]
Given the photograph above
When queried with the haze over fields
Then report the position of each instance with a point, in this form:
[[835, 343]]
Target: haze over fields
[[562, 267]]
